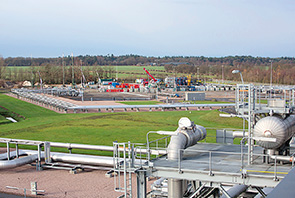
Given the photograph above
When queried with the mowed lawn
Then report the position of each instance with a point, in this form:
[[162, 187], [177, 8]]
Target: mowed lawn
[[101, 128]]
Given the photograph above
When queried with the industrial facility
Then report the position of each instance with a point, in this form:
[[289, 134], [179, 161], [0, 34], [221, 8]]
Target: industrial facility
[[192, 169], [181, 162]]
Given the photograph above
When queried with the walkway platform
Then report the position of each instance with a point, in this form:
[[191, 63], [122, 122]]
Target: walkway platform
[[218, 163]]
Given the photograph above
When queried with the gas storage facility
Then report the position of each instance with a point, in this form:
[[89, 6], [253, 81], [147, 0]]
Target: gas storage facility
[[183, 164]]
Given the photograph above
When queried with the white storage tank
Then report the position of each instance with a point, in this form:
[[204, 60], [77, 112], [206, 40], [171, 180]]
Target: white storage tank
[[274, 127]]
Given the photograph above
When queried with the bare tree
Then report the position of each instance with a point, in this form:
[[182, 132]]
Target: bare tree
[[2, 68]]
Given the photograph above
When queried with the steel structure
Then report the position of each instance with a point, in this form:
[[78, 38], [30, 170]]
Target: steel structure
[[40, 99], [209, 170]]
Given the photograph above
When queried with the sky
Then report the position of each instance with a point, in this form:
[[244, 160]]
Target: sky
[[212, 28]]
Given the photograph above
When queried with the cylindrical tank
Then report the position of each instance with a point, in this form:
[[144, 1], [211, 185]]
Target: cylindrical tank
[[274, 127]]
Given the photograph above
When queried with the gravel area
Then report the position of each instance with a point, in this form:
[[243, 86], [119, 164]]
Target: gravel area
[[59, 183]]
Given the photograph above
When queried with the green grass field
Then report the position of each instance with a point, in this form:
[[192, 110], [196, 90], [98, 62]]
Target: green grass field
[[100, 128], [124, 71]]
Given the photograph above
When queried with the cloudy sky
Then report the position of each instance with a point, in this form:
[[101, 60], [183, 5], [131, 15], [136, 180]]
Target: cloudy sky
[[49, 28]]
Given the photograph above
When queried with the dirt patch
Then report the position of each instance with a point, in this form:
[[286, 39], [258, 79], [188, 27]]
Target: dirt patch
[[60, 183]]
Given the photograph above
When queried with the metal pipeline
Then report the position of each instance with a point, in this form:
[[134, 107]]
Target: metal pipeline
[[59, 157], [12, 154], [235, 191], [282, 158], [78, 146], [18, 162], [186, 135], [239, 134], [82, 159], [64, 157]]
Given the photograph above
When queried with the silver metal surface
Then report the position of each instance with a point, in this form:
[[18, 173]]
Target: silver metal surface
[[18, 162], [187, 135], [235, 191], [274, 127]]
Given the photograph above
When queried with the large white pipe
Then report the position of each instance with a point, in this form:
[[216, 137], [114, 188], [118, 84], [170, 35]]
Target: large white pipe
[[18, 162], [186, 135], [235, 191], [79, 146], [177, 143], [282, 158], [82, 159], [12, 154], [58, 157]]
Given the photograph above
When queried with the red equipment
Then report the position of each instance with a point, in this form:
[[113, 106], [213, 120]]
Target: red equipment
[[150, 75]]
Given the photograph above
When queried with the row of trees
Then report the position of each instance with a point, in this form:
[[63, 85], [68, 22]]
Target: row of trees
[[56, 74], [144, 60], [200, 67], [281, 73]]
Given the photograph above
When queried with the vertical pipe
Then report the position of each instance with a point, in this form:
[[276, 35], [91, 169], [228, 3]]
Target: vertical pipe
[[38, 167], [210, 163], [130, 152], [17, 151], [8, 151], [141, 184], [275, 169], [175, 189], [125, 185]]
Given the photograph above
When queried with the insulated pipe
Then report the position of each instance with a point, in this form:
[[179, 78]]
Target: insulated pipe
[[177, 143], [175, 188], [79, 146], [282, 158], [82, 159], [18, 162], [235, 191], [68, 158], [12, 154], [239, 134], [186, 135]]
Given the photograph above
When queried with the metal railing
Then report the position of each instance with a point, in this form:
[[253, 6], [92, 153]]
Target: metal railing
[[241, 167]]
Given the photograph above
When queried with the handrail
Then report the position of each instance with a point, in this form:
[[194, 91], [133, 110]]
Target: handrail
[[242, 169]]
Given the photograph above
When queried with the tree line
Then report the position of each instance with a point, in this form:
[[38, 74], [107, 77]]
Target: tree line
[[61, 69], [131, 59]]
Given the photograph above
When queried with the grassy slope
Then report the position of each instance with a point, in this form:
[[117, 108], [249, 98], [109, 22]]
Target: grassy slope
[[100, 128]]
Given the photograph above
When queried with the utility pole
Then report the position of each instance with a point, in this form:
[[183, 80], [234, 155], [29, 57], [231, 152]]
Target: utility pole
[[270, 82], [82, 83], [63, 70], [116, 72], [73, 74], [222, 73], [270, 72]]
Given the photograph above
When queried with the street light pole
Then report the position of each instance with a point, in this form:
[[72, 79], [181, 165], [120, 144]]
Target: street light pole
[[270, 72], [63, 71], [270, 82], [73, 75], [238, 71], [222, 73]]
